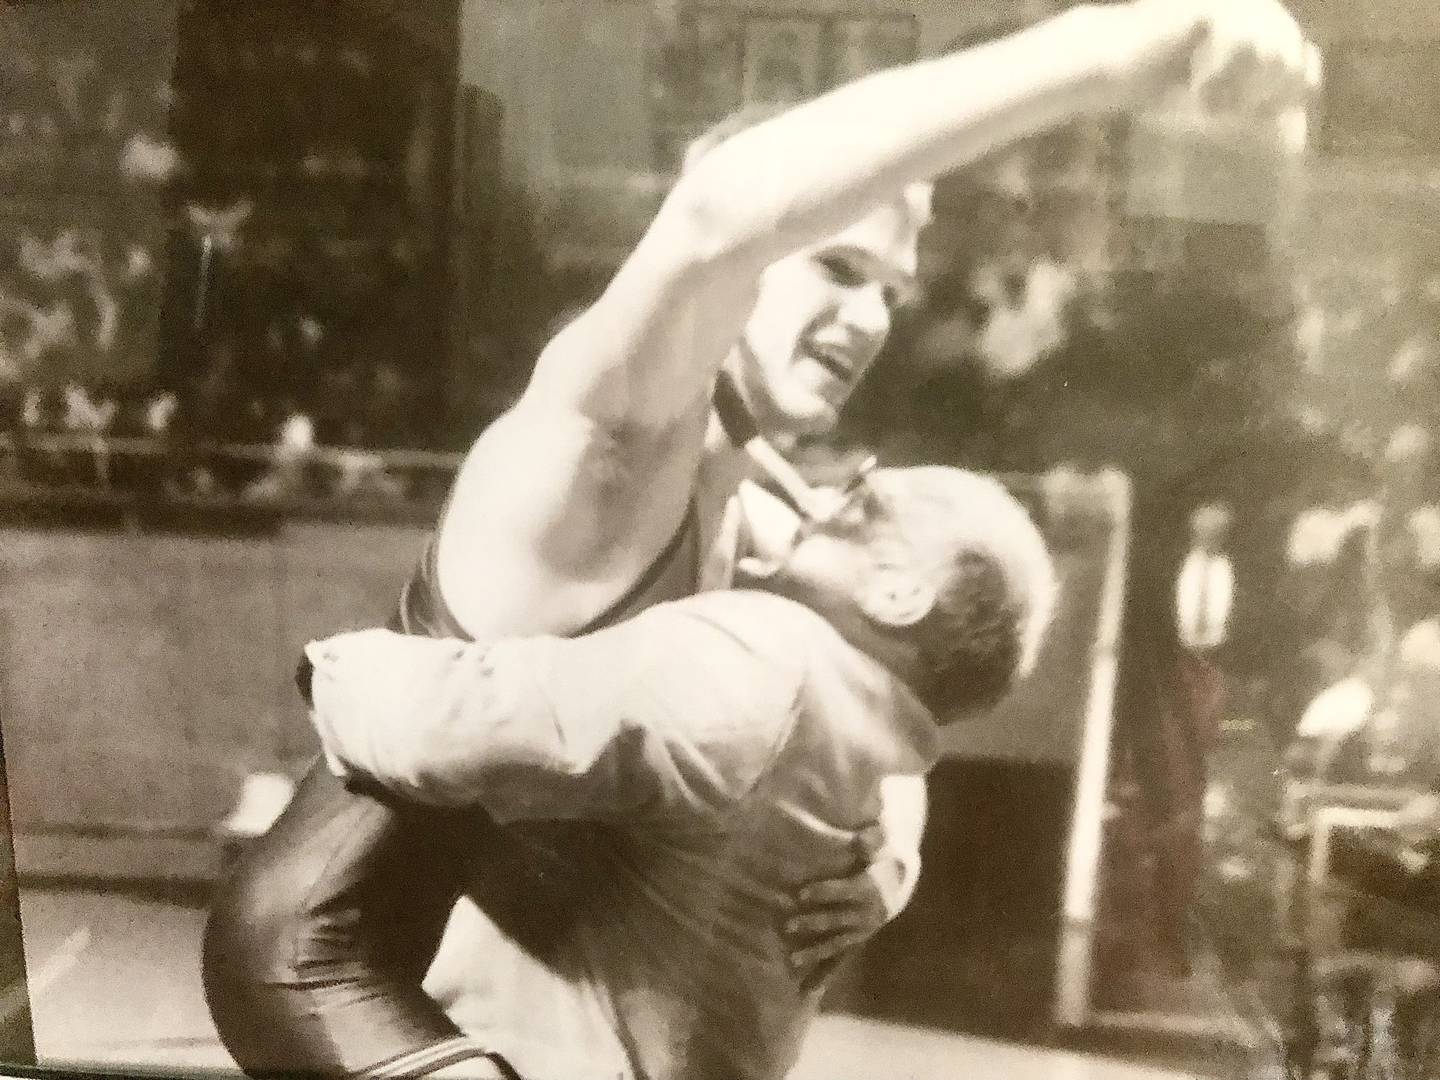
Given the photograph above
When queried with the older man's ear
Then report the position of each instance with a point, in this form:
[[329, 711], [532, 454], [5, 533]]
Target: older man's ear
[[896, 596]]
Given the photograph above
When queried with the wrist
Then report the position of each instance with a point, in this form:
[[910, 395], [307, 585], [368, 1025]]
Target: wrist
[[1150, 46]]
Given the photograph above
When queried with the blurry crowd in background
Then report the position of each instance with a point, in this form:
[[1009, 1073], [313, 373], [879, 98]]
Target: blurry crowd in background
[[246, 248], [257, 447]]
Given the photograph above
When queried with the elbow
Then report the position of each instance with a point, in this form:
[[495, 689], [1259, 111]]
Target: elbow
[[436, 787], [453, 768], [420, 778], [444, 767], [700, 226]]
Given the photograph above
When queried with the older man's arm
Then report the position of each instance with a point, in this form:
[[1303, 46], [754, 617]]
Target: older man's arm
[[607, 726]]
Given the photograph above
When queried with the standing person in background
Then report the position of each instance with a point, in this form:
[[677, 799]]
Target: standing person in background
[[1204, 598], [291, 454]]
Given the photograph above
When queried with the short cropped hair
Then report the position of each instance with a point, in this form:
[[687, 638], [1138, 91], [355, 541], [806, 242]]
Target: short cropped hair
[[1212, 517], [993, 576]]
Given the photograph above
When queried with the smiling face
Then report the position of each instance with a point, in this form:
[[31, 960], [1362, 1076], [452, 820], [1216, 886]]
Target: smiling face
[[822, 315]]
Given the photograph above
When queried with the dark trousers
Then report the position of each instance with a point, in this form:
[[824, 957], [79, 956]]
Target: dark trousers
[[1190, 722]]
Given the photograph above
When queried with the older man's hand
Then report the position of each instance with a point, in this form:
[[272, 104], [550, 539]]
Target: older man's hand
[[834, 916]]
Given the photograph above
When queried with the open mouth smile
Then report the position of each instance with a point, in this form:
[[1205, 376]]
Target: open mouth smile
[[838, 364]]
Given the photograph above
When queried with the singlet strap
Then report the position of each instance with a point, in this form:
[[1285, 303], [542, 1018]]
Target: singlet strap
[[422, 609], [617, 610]]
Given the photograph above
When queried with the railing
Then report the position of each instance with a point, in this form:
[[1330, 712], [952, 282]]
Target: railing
[[145, 480], [84, 473], [1075, 977], [1376, 1035]]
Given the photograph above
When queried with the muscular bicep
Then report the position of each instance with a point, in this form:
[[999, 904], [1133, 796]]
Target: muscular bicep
[[551, 520], [648, 349], [565, 501]]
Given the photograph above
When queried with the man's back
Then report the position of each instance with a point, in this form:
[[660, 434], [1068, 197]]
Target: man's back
[[651, 942]]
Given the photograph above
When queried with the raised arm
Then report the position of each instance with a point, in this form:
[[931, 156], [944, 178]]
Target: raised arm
[[590, 475], [677, 305]]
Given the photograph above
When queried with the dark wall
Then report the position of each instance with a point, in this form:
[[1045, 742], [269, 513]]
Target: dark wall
[[17, 1035], [976, 950], [188, 645]]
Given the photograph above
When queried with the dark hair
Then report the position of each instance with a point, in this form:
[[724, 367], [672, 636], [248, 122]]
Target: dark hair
[[993, 29], [993, 576], [971, 641]]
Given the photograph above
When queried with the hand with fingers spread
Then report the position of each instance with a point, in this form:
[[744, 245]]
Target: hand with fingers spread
[[832, 917]]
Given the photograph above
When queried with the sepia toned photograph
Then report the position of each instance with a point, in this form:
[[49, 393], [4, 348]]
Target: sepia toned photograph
[[863, 45], [678, 540], [783, 59]]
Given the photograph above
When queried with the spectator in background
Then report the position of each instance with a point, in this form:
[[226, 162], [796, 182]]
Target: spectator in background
[[389, 409], [1204, 595], [1341, 709], [339, 400], [160, 408], [1404, 739], [41, 413], [1398, 874], [360, 470], [1337, 712], [1204, 599], [90, 420], [1409, 527], [292, 454], [362, 474], [1331, 576], [143, 417], [1359, 729]]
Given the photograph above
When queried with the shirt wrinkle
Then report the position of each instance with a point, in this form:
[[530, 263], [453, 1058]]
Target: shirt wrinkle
[[785, 731], [676, 960]]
